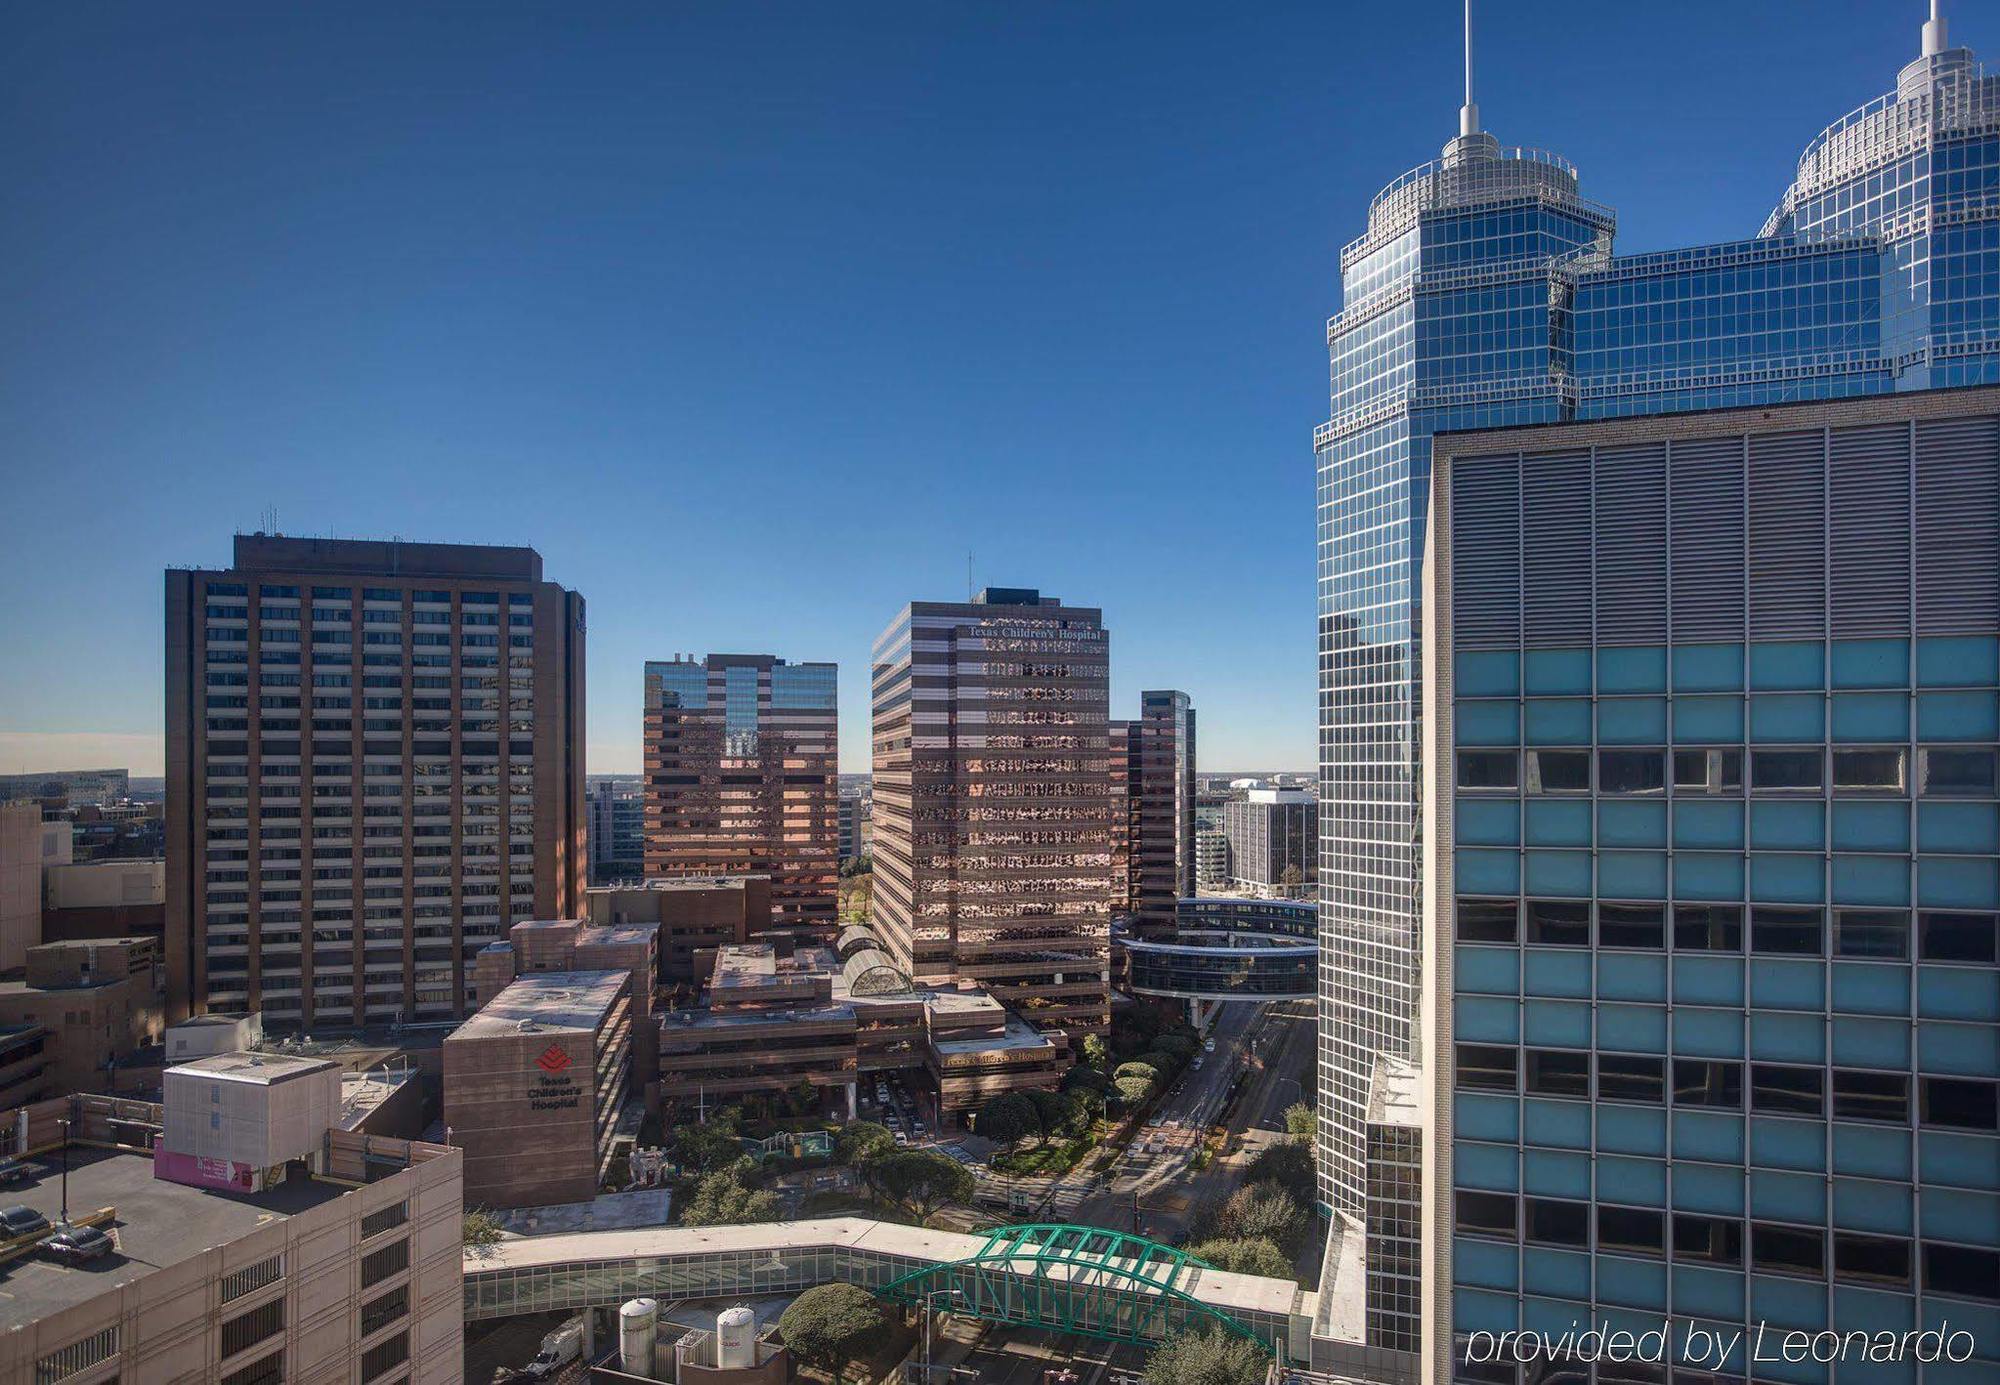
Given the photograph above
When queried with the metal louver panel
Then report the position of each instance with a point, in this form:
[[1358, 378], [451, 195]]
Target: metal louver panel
[[1958, 526], [1555, 508], [1788, 536], [1486, 551], [1869, 524], [1706, 492], [1631, 546]]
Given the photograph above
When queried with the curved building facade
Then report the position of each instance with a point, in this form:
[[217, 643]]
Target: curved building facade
[[1229, 949]]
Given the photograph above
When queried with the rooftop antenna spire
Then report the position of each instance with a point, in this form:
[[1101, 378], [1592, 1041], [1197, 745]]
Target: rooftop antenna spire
[[1468, 114], [1934, 41]]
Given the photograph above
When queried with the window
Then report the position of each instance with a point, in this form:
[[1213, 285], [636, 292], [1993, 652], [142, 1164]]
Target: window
[[1871, 933], [1557, 1223], [1558, 1072], [1787, 1091], [1868, 771], [1706, 1082], [1484, 1214], [1871, 1096], [269, 1371], [1712, 1239], [379, 1313], [1955, 937], [1786, 771], [1794, 932], [1488, 920], [1961, 1271], [379, 1265], [78, 1357], [1631, 771], [1631, 925], [1871, 1259], [251, 1278], [1631, 1228], [1708, 771], [1559, 922], [1488, 769], [382, 1219], [1558, 771], [1631, 1077], [1961, 1103], [1708, 928], [379, 1360], [246, 1330], [1959, 773], [1787, 1249], [1486, 1067]]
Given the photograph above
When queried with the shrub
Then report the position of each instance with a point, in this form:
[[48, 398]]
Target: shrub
[[1008, 1119], [478, 1227], [1264, 1210], [1141, 1070], [1133, 1090], [1245, 1255], [1288, 1166], [1213, 1357], [830, 1325], [722, 1198], [1301, 1120]]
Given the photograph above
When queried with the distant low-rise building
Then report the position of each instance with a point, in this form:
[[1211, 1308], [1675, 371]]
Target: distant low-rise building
[[20, 882], [614, 815], [115, 897], [97, 1002], [1271, 842], [694, 917]]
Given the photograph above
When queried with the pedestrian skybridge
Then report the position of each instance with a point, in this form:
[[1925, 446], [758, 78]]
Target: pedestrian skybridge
[[1063, 1278], [1228, 949]]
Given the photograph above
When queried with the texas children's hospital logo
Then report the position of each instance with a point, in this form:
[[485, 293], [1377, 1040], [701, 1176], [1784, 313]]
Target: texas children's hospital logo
[[1718, 1348], [552, 1060]]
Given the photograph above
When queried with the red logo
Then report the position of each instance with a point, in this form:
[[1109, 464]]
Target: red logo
[[553, 1059]]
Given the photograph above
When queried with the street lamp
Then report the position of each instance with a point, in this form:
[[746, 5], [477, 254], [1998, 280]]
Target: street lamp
[[954, 1293], [63, 1121]]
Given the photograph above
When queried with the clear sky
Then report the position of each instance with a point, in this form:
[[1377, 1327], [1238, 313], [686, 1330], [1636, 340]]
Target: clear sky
[[757, 318]]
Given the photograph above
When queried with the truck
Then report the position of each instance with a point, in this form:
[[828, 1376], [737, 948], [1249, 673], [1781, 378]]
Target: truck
[[560, 1347]]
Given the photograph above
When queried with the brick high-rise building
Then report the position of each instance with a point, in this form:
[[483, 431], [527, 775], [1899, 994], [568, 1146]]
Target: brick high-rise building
[[993, 801], [374, 765], [1158, 784], [741, 777]]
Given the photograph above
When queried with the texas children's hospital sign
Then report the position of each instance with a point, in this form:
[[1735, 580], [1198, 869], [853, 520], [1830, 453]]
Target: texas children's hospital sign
[[553, 1086], [1719, 1348]]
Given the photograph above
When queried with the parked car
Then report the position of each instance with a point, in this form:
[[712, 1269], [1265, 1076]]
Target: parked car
[[21, 1221], [75, 1244], [12, 1170]]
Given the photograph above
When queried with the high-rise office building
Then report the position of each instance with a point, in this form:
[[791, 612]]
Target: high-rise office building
[[1152, 769], [857, 821], [615, 820], [1174, 750], [993, 807], [1484, 294], [374, 765], [1713, 855], [1270, 836], [741, 777]]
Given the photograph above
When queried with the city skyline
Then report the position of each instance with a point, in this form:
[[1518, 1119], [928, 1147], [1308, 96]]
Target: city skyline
[[1229, 299]]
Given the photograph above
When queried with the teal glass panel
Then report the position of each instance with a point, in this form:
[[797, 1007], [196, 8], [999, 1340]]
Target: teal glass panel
[[1703, 876], [1487, 1019], [1487, 872], [1631, 824], [1488, 723], [1558, 822], [1866, 717], [1485, 1166], [1557, 671], [1551, 1173], [1616, 1319], [1485, 1264], [1638, 1283], [1475, 1310], [1787, 1038], [1708, 1033], [1639, 669], [1793, 1303], [1561, 873], [1960, 1050], [1640, 1182], [1868, 827], [1631, 976], [1556, 1124], [1632, 874], [1787, 1144], [1707, 1136], [1787, 718], [1716, 826], [1871, 988], [1708, 667], [1863, 1310], [1958, 716], [1709, 1188], [1631, 1130], [1871, 1151], [1553, 1316], [1489, 822], [1787, 985], [1958, 993], [1972, 1218], [1871, 879], [1787, 879], [1556, 721], [1555, 1272], [1950, 884], [1632, 1028], [1776, 826], [1489, 970], [1787, 1196], [1632, 721], [1564, 973], [1707, 980], [1708, 720], [1711, 1293], [1556, 1024], [1967, 828], [1486, 673], [1483, 1116], [1958, 661], [1870, 1043], [1787, 665], [1957, 1161], [1866, 1205], [1871, 664]]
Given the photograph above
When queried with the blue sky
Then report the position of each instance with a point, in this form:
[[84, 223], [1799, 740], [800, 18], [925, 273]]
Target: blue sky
[[755, 319]]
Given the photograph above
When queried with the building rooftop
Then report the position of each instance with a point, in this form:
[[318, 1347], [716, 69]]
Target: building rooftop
[[681, 1021], [1019, 1035], [262, 1069], [158, 1224], [546, 1001], [683, 882], [262, 552]]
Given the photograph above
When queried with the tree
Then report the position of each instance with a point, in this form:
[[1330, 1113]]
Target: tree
[[1160, 1061], [1008, 1119], [722, 1199], [1095, 1053], [1089, 1106], [1292, 875], [1266, 1210], [1245, 1255], [478, 1227], [830, 1325], [861, 1141], [1133, 1090], [1288, 1166], [1301, 1121], [1056, 1113], [1137, 1069], [1213, 1357], [709, 1146], [921, 1179], [1081, 1078]]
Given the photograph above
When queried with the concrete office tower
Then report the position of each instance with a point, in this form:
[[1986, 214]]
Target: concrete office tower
[[1270, 834], [615, 823], [1712, 853], [374, 765], [1163, 855], [993, 807], [741, 777]]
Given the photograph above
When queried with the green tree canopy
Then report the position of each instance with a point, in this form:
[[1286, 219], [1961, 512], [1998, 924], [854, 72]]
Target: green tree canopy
[[478, 1227], [1246, 1255], [707, 1146], [1178, 1045], [1301, 1120], [1137, 1069], [1008, 1119], [1089, 1105], [721, 1199], [1213, 1357], [1133, 1090], [1055, 1111], [1095, 1052], [1264, 1210], [1081, 1078], [1288, 1166], [863, 1140], [921, 1179], [830, 1325]]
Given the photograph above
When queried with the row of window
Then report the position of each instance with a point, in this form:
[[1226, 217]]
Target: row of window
[[1943, 935], [1942, 771], [291, 593]]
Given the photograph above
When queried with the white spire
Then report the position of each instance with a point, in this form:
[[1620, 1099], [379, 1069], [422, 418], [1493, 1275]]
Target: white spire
[[1468, 114], [1934, 40]]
